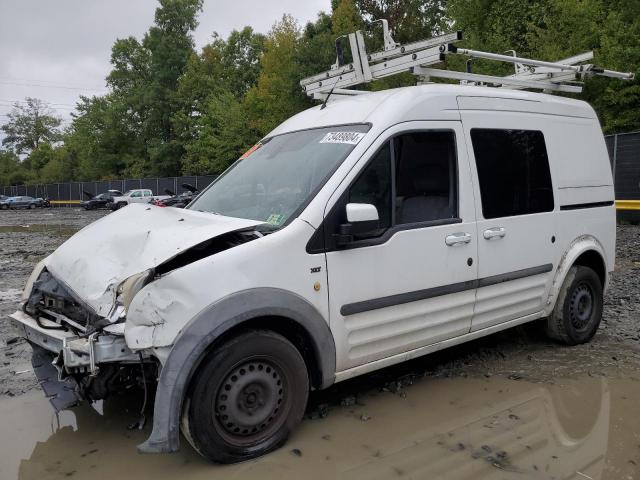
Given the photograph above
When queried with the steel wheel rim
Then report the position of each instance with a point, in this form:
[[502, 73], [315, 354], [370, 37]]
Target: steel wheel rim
[[250, 400], [581, 306]]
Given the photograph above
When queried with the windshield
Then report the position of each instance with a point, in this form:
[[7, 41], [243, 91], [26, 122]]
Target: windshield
[[274, 179]]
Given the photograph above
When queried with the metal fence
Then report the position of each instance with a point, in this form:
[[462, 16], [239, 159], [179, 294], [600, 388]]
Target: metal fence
[[624, 154], [71, 193]]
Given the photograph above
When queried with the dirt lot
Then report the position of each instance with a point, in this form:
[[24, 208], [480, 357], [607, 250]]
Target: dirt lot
[[469, 411]]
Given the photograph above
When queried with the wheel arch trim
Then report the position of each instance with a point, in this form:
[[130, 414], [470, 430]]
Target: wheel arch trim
[[204, 329], [579, 246]]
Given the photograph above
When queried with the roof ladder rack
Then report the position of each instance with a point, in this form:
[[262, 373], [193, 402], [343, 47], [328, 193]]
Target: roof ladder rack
[[563, 75], [367, 67]]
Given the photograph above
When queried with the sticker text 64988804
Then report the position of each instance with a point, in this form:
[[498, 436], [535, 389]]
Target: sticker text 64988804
[[351, 138]]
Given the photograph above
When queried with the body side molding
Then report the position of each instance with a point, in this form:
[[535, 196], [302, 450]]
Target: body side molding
[[399, 299], [579, 206]]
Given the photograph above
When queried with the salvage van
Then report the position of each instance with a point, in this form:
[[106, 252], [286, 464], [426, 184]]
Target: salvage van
[[358, 234]]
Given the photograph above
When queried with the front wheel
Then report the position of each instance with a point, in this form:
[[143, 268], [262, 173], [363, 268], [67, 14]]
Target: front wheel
[[32, 206], [578, 310], [246, 398]]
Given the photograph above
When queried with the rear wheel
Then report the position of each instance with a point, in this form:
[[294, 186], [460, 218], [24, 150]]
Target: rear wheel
[[248, 396], [578, 311]]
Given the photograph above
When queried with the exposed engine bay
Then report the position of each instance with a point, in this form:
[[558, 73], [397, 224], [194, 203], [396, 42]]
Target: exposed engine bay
[[82, 355]]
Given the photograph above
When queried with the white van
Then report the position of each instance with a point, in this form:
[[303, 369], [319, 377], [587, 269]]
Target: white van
[[383, 227]]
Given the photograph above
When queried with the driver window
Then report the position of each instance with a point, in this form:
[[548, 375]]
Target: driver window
[[426, 178], [136, 194], [374, 185]]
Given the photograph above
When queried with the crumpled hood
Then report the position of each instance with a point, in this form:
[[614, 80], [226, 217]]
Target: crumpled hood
[[94, 261]]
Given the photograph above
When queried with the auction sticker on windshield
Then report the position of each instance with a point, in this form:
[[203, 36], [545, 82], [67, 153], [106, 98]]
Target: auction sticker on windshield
[[352, 138], [250, 151]]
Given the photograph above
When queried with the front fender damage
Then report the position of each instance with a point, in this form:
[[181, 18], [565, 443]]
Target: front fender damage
[[159, 311], [201, 332], [157, 314]]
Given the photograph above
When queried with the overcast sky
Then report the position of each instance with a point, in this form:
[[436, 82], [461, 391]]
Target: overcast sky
[[56, 50]]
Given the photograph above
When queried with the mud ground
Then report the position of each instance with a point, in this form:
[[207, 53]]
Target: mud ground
[[512, 405]]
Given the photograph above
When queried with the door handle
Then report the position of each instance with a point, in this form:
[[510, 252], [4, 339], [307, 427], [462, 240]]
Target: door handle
[[457, 238], [496, 232]]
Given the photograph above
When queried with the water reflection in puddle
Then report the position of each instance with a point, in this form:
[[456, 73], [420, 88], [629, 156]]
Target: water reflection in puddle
[[444, 428]]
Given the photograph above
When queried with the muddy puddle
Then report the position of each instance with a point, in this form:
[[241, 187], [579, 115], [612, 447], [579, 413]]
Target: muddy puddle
[[458, 428]]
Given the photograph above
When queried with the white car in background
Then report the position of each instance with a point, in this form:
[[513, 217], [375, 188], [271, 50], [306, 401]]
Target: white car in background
[[140, 195]]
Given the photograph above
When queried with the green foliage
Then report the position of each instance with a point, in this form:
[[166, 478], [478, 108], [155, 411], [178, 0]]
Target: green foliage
[[12, 171], [30, 124], [345, 18], [171, 110], [145, 78], [224, 134], [409, 20], [277, 94]]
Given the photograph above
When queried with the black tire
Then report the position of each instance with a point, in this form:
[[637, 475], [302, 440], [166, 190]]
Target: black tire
[[5, 207], [32, 206], [246, 398], [578, 311]]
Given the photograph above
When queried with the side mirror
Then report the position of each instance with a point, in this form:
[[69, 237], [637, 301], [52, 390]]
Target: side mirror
[[363, 220], [362, 212]]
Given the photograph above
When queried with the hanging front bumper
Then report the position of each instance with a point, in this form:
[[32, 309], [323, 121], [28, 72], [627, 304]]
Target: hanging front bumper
[[59, 353]]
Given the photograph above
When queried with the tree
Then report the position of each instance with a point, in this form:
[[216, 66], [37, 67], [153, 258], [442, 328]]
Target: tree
[[224, 68], [345, 18], [30, 124], [277, 94], [240, 60], [409, 20], [104, 137], [11, 171], [554, 29], [617, 101], [145, 77], [224, 133]]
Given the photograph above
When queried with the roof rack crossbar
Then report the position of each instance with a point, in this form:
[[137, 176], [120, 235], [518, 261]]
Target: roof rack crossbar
[[511, 82], [562, 76]]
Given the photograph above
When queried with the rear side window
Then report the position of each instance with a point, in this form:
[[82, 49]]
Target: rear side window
[[513, 171]]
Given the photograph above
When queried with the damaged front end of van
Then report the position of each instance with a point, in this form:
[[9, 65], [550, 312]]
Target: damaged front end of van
[[76, 310]]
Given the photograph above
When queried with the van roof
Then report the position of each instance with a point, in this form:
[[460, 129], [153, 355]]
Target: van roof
[[429, 102]]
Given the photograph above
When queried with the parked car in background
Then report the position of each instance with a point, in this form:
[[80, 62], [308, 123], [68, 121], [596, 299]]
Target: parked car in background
[[103, 200], [178, 201], [139, 195], [24, 202]]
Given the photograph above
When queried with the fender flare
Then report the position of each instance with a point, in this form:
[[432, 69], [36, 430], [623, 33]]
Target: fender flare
[[576, 248], [195, 339]]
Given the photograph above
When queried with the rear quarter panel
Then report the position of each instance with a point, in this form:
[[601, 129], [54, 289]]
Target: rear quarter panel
[[582, 179]]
